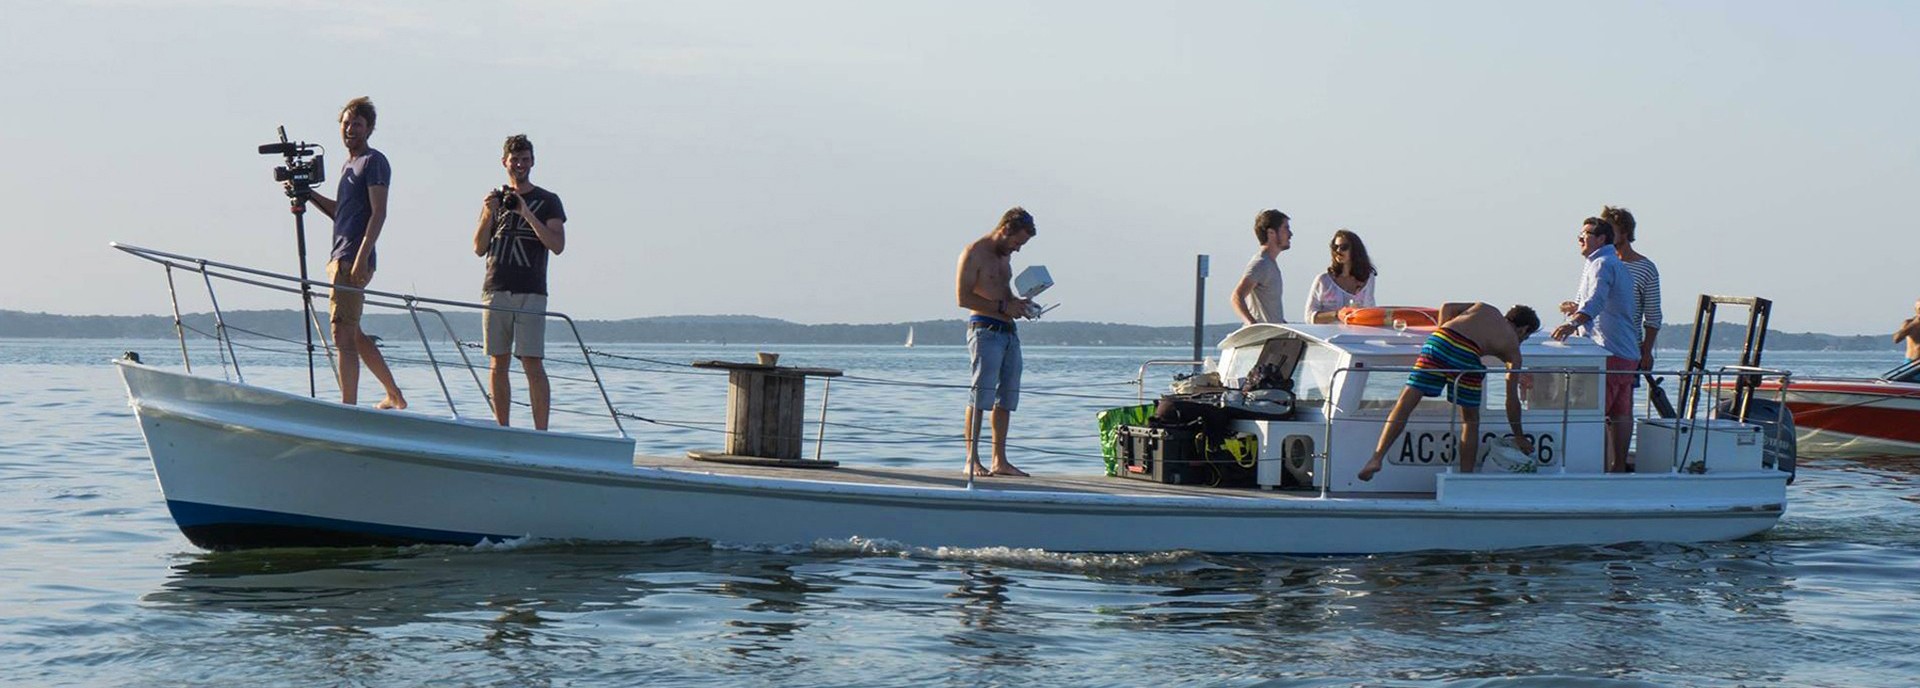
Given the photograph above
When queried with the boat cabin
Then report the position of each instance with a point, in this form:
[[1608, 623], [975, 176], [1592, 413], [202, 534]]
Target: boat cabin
[[1346, 379]]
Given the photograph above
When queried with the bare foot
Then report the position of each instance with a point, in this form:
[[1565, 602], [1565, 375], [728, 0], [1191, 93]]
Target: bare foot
[[1007, 469], [392, 404], [1367, 471], [975, 470]]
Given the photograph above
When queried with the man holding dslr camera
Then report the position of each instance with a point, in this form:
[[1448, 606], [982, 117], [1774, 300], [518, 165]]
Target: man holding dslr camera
[[519, 224]]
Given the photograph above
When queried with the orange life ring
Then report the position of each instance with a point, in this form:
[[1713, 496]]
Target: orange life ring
[[1383, 316]]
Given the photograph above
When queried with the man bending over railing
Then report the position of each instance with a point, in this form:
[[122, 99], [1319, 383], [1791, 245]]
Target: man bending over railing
[[1448, 361]]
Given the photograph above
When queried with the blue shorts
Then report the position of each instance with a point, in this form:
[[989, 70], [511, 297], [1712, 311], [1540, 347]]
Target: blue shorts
[[996, 367]]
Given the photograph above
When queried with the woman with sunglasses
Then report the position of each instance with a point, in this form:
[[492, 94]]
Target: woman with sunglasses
[[1347, 282]]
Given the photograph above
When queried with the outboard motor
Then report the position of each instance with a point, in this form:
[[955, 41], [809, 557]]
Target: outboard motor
[[1782, 445]]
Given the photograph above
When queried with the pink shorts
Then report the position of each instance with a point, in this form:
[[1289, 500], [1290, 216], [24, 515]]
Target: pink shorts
[[1620, 387]]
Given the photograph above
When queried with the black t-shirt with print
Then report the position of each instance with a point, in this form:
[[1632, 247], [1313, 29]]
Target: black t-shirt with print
[[516, 260]]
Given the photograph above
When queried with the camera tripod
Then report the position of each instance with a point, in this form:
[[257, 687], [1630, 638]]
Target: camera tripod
[[297, 204], [300, 174]]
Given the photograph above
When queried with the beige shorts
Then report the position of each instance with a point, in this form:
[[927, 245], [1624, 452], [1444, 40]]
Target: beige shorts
[[526, 333], [344, 307]]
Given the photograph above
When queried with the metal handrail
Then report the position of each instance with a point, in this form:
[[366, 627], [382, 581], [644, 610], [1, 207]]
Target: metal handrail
[[208, 269], [178, 327], [460, 348], [1140, 379], [220, 328]]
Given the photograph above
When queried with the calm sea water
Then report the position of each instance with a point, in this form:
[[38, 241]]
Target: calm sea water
[[100, 589]]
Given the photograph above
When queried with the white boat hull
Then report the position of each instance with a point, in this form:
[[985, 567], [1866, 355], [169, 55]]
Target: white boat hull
[[243, 466]]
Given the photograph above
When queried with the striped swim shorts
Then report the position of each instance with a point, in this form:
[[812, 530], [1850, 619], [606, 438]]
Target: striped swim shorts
[[1447, 350]]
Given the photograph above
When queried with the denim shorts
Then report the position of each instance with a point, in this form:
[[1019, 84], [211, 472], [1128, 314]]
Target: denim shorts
[[996, 368]]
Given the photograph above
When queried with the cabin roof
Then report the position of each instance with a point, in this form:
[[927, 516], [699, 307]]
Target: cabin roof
[[1380, 341]]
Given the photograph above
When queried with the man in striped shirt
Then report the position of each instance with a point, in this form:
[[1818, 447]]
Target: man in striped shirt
[[1646, 282]]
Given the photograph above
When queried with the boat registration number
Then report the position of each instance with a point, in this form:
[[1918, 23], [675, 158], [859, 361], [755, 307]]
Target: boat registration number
[[1439, 448]]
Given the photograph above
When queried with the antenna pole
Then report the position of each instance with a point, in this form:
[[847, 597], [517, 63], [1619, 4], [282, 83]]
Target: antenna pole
[[1199, 307]]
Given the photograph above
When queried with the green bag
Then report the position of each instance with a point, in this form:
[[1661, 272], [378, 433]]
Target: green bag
[[1110, 422]]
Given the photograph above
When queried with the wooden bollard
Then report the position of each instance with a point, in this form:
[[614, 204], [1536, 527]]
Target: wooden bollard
[[766, 407]]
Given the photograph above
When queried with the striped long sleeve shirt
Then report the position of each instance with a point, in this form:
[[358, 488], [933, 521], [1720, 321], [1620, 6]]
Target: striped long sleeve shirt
[[1646, 293]]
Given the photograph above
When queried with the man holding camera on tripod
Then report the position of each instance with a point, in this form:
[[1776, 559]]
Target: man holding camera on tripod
[[519, 224], [359, 212]]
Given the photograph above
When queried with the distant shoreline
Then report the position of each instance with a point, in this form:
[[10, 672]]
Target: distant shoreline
[[691, 329]]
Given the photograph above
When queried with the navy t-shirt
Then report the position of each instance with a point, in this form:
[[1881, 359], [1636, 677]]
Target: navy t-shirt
[[516, 260], [351, 208]]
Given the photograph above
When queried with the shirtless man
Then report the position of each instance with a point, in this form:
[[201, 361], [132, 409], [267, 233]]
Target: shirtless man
[[985, 288], [1910, 333], [1467, 332]]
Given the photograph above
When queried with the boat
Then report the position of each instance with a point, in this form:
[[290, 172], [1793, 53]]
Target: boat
[[909, 336], [1831, 417], [1843, 417], [244, 466]]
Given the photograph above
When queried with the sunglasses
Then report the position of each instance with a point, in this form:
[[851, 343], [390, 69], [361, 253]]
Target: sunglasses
[[1342, 247]]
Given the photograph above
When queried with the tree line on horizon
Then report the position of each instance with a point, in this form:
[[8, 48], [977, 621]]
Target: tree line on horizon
[[748, 329]]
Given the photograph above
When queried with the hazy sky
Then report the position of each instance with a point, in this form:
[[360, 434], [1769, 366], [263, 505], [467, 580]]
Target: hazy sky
[[825, 162]]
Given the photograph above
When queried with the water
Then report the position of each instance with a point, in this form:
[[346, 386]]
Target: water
[[101, 589]]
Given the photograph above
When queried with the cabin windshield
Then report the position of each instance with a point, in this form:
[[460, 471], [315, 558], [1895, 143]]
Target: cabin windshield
[[1910, 372], [1579, 391], [1315, 374], [1383, 390]]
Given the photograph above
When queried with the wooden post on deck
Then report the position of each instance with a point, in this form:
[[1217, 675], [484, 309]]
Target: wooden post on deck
[[765, 414]]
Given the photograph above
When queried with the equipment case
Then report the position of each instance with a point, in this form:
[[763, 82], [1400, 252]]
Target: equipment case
[[1177, 456]]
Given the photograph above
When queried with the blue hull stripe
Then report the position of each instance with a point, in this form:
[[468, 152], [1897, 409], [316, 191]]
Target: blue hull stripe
[[194, 516]]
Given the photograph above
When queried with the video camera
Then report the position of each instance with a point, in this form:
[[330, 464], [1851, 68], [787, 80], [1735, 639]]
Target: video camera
[[299, 172]]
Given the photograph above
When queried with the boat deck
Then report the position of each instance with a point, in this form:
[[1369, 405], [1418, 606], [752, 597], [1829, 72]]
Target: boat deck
[[921, 477]]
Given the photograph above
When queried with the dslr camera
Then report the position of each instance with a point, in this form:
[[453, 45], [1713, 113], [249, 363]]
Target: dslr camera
[[304, 167], [507, 199]]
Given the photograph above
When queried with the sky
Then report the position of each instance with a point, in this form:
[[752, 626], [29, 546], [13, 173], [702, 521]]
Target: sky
[[825, 162]]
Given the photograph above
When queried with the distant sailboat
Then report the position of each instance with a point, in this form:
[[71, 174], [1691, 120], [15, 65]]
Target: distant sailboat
[[909, 336]]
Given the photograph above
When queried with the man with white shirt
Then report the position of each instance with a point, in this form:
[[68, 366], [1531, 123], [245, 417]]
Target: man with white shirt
[[1604, 311]]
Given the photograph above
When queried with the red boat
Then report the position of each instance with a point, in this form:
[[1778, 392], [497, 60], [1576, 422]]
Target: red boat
[[1854, 417]]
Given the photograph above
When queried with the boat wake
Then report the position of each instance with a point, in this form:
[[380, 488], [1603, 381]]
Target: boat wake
[[1028, 558], [524, 542]]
